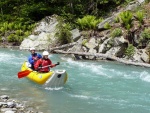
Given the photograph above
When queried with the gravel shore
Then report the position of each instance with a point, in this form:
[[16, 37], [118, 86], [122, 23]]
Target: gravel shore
[[8, 105]]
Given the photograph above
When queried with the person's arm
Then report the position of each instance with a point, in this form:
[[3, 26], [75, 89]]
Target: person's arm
[[30, 60], [51, 64]]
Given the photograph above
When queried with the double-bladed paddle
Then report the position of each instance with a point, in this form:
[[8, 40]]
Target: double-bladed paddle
[[25, 73]]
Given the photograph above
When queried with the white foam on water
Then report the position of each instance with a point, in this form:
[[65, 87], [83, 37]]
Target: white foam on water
[[80, 96], [7, 57], [65, 58], [145, 76], [128, 76], [104, 71], [92, 67], [56, 88], [109, 72], [99, 98], [4, 57], [132, 74], [138, 105], [4, 89], [123, 74]]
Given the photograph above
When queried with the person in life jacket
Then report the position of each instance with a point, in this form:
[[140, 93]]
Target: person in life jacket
[[33, 57], [43, 64]]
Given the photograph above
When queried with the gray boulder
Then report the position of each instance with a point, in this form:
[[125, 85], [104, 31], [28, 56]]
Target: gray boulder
[[43, 35]]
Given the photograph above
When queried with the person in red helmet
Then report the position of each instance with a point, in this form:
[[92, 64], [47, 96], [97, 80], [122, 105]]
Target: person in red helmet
[[43, 64]]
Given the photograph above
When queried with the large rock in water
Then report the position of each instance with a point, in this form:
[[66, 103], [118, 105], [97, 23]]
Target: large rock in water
[[43, 35]]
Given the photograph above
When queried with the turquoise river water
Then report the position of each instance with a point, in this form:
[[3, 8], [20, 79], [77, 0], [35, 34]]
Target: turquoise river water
[[92, 87]]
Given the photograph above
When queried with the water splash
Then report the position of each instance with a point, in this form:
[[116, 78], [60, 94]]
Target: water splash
[[145, 76]]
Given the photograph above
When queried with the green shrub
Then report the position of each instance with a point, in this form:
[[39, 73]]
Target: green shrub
[[16, 26], [146, 33], [126, 19], [147, 1], [63, 33], [19, 25], [107, 25], [130, 51], [84, 42], [27, 33], [11, 26], [81, 24], [117, 20], [30, 27], [88, 22], [20, 39], [116, 32], [20, 20], [7, 17], [2, 29], [64, 36], [140, 16], [19, 32], [0, 39], [5, 25], [24, 27], [12, 38], [128, 1], [144, 38]]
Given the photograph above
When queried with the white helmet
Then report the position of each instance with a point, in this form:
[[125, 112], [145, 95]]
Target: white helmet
[[45, 53], [32, 48]]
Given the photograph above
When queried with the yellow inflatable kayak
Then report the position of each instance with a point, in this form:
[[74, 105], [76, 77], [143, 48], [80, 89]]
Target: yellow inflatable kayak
[[51, 79]]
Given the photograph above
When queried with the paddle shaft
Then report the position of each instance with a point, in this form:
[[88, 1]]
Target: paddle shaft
[[44, 66], [47, 66]]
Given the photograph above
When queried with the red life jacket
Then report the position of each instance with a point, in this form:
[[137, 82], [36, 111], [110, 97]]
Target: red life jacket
[[35, 57], [42, 63]]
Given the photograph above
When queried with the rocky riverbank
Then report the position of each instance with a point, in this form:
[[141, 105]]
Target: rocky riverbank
[[112, 40], [8, 105], [8, 45]]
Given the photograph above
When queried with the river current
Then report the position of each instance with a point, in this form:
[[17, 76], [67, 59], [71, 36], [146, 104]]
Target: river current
[[92, 86]]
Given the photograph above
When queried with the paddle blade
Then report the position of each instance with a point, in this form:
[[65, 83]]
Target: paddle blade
[[22, 74]]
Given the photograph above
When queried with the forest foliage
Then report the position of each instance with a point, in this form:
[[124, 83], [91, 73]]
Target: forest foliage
[[19, 16], [35, 10]]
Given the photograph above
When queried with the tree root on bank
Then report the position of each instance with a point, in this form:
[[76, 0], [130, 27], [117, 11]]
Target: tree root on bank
[[104, 56]]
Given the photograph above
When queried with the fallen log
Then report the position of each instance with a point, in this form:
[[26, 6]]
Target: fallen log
[[105, 56], [63, 46]]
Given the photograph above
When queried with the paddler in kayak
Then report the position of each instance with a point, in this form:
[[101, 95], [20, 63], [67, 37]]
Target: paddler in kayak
[[43, 64], [33, 57]]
